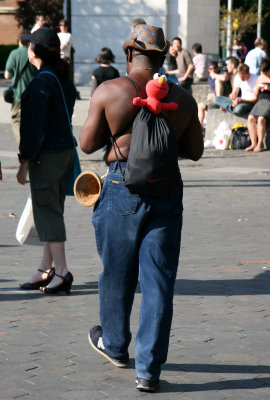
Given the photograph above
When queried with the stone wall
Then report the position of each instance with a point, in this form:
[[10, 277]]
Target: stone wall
[[8, 25]]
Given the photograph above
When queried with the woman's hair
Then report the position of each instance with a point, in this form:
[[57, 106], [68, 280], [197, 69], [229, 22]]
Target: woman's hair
[[51, 57], [265, 64], [63, 22], [105, 56]]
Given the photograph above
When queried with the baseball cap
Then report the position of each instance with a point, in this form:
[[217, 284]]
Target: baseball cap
[[44, 37]]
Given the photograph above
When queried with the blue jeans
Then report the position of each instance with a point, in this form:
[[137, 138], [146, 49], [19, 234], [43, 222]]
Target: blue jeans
[[133, 231], [226, 102]]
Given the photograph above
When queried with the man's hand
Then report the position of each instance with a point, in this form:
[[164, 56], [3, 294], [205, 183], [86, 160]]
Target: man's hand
[[22, 173], [236, 101], [181, 79]]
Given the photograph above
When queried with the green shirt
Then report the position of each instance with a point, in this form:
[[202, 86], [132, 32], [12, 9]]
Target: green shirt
[[15, 63]]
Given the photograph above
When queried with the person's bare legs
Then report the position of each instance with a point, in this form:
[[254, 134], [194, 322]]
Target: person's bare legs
[[252, 130], [261, 130], [57, 250], [201, 112], [218, 87], [45, 265]]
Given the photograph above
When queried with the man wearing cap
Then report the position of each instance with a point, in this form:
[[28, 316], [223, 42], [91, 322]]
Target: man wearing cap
[[133, 230]]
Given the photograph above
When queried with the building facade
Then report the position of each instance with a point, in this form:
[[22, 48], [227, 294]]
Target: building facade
[[8, 25], [105, 23]]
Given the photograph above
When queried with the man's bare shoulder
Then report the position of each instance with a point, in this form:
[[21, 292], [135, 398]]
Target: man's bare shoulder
[[181, 97], [115, 87]]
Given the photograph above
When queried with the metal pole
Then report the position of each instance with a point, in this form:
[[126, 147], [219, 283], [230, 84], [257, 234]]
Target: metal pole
[[229, 29], [259, 24], [68, 12]]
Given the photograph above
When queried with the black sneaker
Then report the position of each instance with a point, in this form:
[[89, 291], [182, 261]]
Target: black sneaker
[[95, 339], [146, 385]]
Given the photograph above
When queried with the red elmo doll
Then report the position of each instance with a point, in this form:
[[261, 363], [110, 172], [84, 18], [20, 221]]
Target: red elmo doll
[[156, 90]]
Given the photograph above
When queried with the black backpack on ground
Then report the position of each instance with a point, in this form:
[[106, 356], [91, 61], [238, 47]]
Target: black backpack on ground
[[152, 166], [240, 138]]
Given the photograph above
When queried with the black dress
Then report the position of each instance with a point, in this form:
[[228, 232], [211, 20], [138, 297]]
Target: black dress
[[262, 107], [103, 74]]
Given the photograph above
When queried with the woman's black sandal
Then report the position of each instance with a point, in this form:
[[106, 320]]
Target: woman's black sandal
[[37, 285], [63, 287]]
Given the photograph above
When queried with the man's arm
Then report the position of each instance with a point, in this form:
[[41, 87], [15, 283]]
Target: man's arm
[[219, 77], [189, 71], [94, 133], [10, 66], [234, 93], [173, 72], [7, 75], [190, 144]]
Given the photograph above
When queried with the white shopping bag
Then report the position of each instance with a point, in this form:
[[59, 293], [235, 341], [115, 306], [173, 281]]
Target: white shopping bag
[[222, 133], [26, 232]]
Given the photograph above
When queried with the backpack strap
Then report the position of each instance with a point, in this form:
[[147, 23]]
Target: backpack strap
[[134, 84], [20, 74], [112, 138], [65, 104]]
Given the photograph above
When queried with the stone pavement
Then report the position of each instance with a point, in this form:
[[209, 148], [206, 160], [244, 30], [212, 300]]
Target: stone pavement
[[219, 346]]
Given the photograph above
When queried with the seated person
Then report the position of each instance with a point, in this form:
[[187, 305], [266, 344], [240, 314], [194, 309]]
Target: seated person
[[200, 62], [185, 65], [240, 105], [232, 64], [171, 64], [219, 83], [260, 113]]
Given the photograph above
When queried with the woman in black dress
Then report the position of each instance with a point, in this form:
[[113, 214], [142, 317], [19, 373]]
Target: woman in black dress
[[106, 71], [259, 116]]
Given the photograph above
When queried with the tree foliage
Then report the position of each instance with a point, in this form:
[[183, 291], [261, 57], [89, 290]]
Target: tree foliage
[[242, 21], [250, 35], [27, 10]]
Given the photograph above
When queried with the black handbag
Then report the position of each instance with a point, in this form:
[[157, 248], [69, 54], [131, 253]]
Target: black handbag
[[240, 138], [8, 95]]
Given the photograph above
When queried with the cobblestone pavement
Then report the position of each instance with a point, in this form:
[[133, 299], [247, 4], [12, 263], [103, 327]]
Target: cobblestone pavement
[[219, 346]]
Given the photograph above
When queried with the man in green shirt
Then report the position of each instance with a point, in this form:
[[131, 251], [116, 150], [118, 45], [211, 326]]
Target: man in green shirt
[[21, 71]]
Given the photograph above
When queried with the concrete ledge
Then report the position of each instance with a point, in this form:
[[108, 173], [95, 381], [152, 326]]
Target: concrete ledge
[[216, 116], [200, 91]]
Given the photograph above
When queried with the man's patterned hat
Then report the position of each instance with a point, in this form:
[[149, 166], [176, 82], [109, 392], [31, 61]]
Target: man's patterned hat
[[147, 38]]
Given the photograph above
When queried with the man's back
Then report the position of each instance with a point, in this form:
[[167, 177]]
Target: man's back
[[254, 58], [17, 60], [114, 99]]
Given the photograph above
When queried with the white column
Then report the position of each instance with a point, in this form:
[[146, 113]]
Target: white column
[[259, 24], [229, 30]]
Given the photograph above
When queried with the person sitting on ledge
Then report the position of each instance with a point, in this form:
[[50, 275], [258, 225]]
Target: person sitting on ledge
[[260, 113], [239, 105], [219, 83]]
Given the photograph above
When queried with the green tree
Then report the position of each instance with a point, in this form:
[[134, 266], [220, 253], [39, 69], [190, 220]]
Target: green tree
[[249, 36], [28, 9], [242, 20]]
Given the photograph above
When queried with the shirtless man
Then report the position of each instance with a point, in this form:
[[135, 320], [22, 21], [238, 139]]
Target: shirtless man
[[132, 230]]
